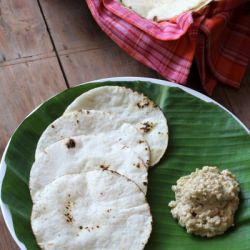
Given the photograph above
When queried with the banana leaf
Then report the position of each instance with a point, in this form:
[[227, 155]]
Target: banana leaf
[[200, 133]]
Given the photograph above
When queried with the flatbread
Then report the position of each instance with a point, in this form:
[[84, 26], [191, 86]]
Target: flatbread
[[83, 122], [124, 151], [96, 210], [131, 107], [159, 10]]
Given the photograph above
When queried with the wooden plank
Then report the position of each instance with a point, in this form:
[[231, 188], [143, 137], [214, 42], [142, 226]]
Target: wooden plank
[[239, 99], [220, 96], [23, 33], [23, 87], [6, 241], [72, 26], [85, 51], [101, 63]]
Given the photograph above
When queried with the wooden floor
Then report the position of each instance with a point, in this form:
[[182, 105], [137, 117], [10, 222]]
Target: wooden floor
[[47, 46]]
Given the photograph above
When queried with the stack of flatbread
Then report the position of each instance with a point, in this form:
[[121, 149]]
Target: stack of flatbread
[[160, 10], [89, 179]]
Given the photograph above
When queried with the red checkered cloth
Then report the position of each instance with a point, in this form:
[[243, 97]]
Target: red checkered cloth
[[218, 36]]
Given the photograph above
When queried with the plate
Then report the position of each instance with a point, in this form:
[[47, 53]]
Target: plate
[[202, 132]]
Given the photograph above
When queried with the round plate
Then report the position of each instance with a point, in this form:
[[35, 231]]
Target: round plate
[[199, 127]]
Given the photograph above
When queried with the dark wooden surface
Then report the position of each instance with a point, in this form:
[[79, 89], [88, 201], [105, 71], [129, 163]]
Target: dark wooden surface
[[48, 45]]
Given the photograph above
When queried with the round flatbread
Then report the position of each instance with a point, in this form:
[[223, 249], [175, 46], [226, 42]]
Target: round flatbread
[[124, 151], [133, 108], [94, 210], [83, 122], [160, 10]]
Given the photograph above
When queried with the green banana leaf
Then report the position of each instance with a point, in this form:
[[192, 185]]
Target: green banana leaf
[[200, 134]]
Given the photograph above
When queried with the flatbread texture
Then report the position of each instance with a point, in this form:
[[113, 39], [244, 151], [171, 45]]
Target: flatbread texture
[[131, 107], [83, 122], [160, 10], [124, 151], [93, 210]]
